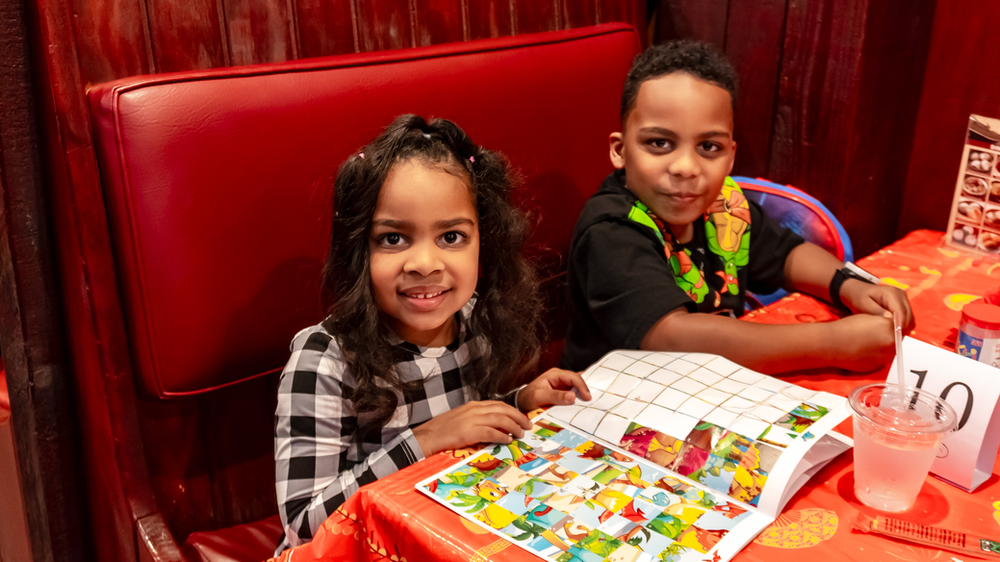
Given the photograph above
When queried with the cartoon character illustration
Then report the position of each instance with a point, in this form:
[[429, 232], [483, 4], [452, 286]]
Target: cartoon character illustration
[[486, 463], [637, 439], [496, 516]]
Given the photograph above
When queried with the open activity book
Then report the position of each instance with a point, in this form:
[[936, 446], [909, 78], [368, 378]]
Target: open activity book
[[678, 457]]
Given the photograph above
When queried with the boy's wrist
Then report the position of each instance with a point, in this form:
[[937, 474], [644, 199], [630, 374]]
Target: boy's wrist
[[845, 275]]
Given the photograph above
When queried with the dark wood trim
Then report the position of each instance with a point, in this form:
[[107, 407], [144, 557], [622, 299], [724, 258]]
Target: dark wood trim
[[31, 335]]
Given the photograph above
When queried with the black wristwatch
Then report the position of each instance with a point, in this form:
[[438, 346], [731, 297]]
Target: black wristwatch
[[849, 271]]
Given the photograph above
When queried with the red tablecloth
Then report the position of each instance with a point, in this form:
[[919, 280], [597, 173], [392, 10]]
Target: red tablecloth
[[390, 520]]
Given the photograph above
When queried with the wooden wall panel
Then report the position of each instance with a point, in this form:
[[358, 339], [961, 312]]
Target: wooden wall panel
[[326, 28], [438, 21], [187, 35], [704, 20], [754, 34], [111, 38], [579, 14], [489, 18], [533, 16], [959, 81], [260, 31], [386, 24]]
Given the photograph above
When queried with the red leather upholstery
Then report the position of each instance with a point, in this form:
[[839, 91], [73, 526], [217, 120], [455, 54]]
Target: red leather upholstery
[[215, 188], [216, 182], [242, 543]]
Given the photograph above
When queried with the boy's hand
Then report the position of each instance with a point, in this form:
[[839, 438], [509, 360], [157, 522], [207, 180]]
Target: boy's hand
[[554, 386], [862, 342], [880, 300], [475, 422]]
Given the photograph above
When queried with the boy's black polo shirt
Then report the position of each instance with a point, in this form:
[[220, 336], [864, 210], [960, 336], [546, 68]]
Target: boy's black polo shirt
[[620, 282]]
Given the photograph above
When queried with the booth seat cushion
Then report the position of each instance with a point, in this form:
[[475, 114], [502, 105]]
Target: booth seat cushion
[[217, 182], [243, 543]]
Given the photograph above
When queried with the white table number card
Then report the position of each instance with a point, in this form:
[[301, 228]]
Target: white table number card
[[966, 457]]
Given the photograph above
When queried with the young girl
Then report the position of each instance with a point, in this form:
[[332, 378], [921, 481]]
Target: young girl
[[433, 307]]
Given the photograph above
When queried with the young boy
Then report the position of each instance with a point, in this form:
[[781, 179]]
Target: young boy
[[663, 253]]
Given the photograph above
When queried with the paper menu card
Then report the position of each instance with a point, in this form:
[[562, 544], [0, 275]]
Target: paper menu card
[[974, 223], [676, 457]]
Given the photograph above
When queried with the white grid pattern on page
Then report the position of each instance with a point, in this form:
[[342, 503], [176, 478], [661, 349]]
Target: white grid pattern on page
[[746, 376], [617, 362], [713, 396], [671, 398], [608, 401], [827, 400], [782, 402], [654, 416], [679, 425], [798, 392], [595, 395], [695, 407], [662, 358], [681, 366], [730, 386], [738, 404], [624, 384], [564, 413], [780, 436], [770, 414], [705, 376], [629, 408], [646, 391], [699, 358], [772, 385], [635, 353], [721, 417], [588, 419], [611, 428], [664, 377], [756, 394], [749, 427], [601, 378], [689, 386], [640, 369], [723, 366]]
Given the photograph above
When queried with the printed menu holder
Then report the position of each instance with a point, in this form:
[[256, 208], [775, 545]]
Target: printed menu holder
[[974, 223], [679, 457], [967, 455]]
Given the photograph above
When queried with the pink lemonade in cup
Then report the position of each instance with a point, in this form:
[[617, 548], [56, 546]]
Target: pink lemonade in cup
[[895, 442]]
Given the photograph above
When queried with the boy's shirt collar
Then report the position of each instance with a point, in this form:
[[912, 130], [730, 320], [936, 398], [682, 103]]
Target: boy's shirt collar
[[726, 233]]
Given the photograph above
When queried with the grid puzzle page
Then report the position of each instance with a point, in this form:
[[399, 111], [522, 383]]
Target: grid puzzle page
[[703, 417], [677, 457]]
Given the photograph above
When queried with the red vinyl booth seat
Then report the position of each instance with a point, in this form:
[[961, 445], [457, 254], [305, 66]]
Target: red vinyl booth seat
[[200, 251]]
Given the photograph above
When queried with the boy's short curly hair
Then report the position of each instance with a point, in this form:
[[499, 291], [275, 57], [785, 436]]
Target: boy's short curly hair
[[698, 59]]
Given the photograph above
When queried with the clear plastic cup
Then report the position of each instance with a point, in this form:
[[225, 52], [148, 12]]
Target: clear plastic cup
[[895, 447]]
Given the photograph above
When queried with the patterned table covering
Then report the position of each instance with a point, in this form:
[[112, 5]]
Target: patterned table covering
[[390, 520]]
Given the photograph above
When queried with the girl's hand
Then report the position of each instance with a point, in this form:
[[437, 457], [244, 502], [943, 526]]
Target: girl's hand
[[880, 300], [554, 386], [475, 422], [862, 342]]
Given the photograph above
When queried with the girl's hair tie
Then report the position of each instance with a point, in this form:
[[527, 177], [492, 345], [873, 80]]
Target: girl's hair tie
[[361, 155], [472, 159], [427, 135]]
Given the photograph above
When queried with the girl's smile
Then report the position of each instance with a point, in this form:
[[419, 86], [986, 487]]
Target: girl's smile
[[424, 246]]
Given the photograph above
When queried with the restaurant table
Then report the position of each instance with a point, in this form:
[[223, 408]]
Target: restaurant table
[[390, 520]]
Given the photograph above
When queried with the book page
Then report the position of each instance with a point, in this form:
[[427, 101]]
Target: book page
[[704, 418]]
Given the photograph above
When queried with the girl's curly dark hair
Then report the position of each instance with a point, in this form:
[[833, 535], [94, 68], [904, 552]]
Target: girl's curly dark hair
[[507, 309]]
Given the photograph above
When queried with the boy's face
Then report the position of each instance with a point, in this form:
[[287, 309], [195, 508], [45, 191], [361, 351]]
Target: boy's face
[[677, 148]]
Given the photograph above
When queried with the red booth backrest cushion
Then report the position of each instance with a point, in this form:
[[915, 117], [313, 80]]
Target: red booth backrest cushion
[[217, 183]]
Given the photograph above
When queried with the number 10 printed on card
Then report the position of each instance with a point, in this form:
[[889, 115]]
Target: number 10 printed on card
[[677, 457]]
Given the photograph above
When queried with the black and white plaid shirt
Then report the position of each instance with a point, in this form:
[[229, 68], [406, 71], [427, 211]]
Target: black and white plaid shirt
[[319, 461]]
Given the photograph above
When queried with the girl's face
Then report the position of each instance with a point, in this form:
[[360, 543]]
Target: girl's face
[[424, 249]]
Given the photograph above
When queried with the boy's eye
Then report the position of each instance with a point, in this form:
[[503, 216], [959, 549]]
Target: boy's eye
[[707, 146], [659, 143], [452, 237]]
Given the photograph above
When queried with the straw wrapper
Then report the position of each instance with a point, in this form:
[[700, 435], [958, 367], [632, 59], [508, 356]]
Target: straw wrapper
[[934, 537]]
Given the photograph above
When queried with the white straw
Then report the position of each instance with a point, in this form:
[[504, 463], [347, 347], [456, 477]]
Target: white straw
[[900, 371]]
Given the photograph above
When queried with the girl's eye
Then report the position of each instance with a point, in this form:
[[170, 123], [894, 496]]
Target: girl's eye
[[659, 143], [452, 237], [707, 146], [391, 239]]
